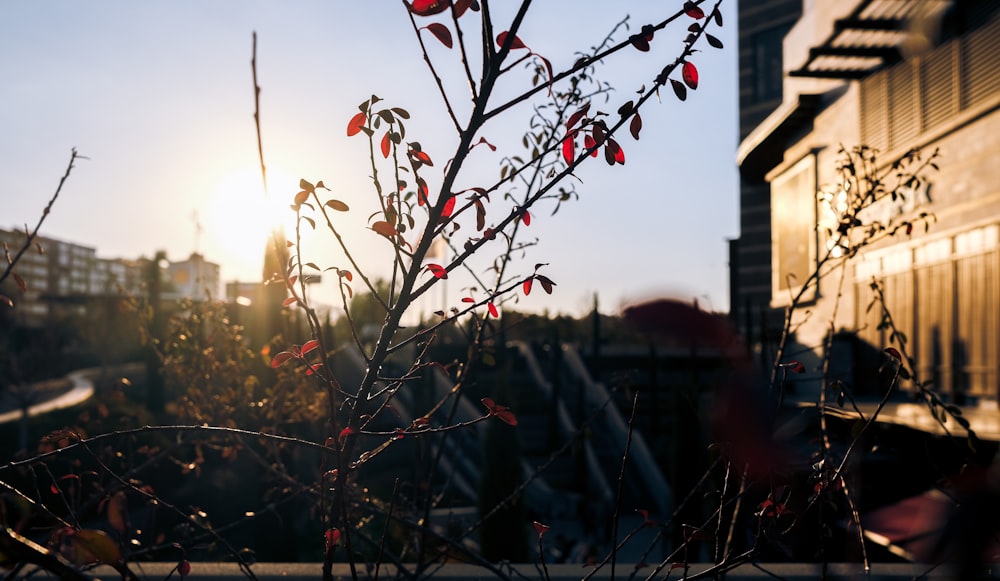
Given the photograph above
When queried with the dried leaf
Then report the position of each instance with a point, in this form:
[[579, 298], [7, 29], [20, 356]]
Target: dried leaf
[[546, 283], [90, 545], [635, 126], [679, 89], [337, 205], [385, 229], [118, 511]]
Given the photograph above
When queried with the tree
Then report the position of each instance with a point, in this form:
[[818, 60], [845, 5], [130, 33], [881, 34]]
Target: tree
[[420, 202]]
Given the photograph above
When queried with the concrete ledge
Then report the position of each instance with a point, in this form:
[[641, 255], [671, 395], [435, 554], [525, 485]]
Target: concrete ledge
[[787, 571]]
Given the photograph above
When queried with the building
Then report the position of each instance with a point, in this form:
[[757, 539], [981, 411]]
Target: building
[[194, 278], [893, 75], [61, 278], [762, 28]]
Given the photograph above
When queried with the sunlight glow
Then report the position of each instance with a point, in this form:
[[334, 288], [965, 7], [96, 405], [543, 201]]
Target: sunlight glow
[[238, 219]]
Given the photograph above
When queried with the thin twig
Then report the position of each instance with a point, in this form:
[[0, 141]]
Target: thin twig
[[45, 214]]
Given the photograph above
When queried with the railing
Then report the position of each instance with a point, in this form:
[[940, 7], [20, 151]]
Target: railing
[[597, 480], [595, 395]]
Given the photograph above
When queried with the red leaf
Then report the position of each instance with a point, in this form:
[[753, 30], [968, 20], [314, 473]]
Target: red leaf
[[487, 143], [514, 45], [281, 358], [590, 143], [386, 145], [7, 301], [346, 274], [526, 218], [385, 229], [468, 300], [356, 123], [462, 5], [441, 32], [540, 528], [635, 126], [506, 416], [422, 191], [288, 301], [313, 369], [693, 10], [331, 537], [493, 310], [894, 353], [526, 286], [690, 75], [575, 117], [310, 345], [429, 7], [344, 433], [569, 147], [795, 366], [503, 413], [449, 207], [422, 157], [437, 270], [184, 568]]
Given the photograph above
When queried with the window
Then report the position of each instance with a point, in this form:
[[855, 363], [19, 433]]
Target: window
[[793, 223], [767, 68]]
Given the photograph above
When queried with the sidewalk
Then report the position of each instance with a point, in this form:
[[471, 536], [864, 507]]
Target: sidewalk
[[49, 396]]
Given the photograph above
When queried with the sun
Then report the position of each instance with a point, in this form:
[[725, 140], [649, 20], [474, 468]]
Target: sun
[[238, 219]]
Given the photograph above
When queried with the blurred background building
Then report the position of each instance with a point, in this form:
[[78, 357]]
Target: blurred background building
[[63, 279], [893, 75]]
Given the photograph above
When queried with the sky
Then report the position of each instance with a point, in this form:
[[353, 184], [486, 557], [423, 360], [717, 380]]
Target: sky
[[158, 95]]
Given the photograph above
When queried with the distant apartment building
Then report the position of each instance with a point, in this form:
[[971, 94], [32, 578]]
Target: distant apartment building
[[194, 278], [893, 75], [62, 278]]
